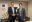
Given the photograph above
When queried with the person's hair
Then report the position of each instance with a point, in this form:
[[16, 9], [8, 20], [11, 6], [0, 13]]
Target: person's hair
[[20, 3], [12, 2]]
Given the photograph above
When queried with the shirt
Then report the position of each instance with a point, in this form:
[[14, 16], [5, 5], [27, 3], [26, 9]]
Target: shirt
[[20, 9], [13, 10]]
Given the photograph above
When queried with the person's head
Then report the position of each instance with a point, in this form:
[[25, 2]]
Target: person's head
[[12, 3], [20, 5]]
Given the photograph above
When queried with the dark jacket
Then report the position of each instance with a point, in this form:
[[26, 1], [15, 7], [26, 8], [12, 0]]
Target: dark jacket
[[10, 11], [23, 14]]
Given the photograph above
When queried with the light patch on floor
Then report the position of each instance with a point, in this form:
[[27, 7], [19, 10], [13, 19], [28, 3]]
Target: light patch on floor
[[16, 21]]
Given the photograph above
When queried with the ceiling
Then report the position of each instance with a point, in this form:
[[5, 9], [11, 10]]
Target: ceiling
[[15, 0]]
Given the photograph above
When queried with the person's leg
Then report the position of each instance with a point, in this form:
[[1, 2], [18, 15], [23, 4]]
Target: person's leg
[[20, 20], [10, 20], [14, 18]]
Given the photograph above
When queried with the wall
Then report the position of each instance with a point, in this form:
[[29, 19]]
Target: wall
[[3, 9], [25, 5], [30, 9]]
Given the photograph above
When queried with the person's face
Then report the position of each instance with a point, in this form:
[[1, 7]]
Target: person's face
[[12, 4], [20, 6]]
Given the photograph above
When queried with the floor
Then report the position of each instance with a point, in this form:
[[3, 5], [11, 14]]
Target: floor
[[15, 21]]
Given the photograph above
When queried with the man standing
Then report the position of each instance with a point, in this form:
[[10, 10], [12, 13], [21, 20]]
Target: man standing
[[21, 13], [12, 12]]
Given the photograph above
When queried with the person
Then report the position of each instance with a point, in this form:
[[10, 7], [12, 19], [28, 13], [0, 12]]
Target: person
[[21, 13], [12, 12]]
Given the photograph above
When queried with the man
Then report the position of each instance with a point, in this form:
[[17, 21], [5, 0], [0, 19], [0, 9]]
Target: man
[[12, 12], [21, 13]]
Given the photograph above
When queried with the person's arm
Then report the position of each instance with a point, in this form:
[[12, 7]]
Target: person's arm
[[17, 12], [24, 13]]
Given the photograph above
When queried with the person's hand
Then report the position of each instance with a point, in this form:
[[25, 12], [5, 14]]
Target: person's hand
[[13, 14], [24, 19]]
